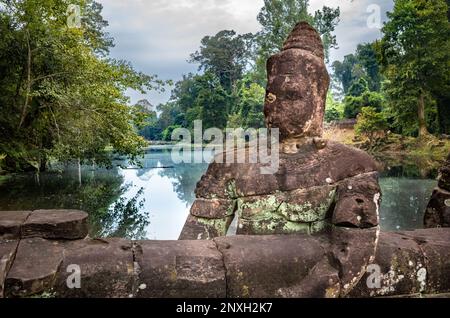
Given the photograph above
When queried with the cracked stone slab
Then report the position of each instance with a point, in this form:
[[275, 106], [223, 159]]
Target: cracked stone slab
[[353, 250], [435, 244], [106, 268], [261, 266], [35, 267], [11, 223], [400, 265], [56, 224], [180, 269], [7, 253]]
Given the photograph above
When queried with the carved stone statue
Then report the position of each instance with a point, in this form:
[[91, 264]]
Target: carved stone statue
[[319, 183]]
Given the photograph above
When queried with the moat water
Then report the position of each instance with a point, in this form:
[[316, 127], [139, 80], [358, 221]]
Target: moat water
[[153, 201]]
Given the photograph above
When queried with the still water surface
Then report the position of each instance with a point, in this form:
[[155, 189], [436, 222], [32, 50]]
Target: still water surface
[[153, 201]]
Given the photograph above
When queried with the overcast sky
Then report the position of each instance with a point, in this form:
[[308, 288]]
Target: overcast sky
[[157, 36]]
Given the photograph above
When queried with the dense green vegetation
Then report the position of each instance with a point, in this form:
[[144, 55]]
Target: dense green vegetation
[[62, 97], [400, 80], [229, 89], [403, 78]]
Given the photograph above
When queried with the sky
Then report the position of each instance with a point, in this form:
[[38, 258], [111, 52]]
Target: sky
[[157, 36]]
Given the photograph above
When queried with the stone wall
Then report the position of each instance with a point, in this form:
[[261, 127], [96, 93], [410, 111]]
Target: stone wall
[[39, 249]]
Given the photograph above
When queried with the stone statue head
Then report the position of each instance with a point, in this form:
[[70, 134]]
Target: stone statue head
[[297, 86]]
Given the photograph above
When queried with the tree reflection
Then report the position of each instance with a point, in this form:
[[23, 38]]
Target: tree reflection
[[125, 219], [99, 195]]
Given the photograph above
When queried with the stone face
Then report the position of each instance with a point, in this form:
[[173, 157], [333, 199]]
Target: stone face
[[35, 267], [438, 210], [297, 86], [11, 223], [7, 253], [358, 201], [191, 269], [56, 224], [106, 269]]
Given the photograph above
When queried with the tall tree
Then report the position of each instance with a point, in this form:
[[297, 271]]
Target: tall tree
[[225, 54], [62, 97], [415, 53]]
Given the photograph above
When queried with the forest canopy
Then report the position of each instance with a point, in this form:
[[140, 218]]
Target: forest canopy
[[62, 96]]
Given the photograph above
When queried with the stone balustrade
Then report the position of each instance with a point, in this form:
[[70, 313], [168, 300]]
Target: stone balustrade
[[41, 250]]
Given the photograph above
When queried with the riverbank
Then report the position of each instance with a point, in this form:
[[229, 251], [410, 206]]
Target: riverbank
[[427, 150]]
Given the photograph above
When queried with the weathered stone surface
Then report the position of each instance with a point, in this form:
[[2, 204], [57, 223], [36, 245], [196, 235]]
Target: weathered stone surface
[[213, 208], [297, 85], [437, 213], [300, 196], [272, 225], [192, 269], [304, 205], [11, 222], [444, 175], [35, 267], [265, 266], [106, 269], [197, 228], [56, 224], [402, 265], [435, 245], [322, 281], [358, 201], [7, 253], [308, 168], [304, 37], [352, 251]]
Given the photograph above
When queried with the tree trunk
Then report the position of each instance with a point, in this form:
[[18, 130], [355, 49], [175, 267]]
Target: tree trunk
[[28, 86], [423, 131], [79, 172]]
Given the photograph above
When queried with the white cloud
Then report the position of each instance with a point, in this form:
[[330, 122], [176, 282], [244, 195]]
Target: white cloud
[[157, 36]]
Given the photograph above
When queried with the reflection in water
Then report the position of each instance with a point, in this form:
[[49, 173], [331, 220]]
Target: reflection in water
[[153, 201]]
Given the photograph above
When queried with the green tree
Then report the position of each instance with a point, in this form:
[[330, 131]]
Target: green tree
[[346, 72], [370, 122], [249, 110], [415, 54], [363, 64], [353, 104], [62, 97], [226, 55], [333, 110], [368, 58], [202, 97]]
